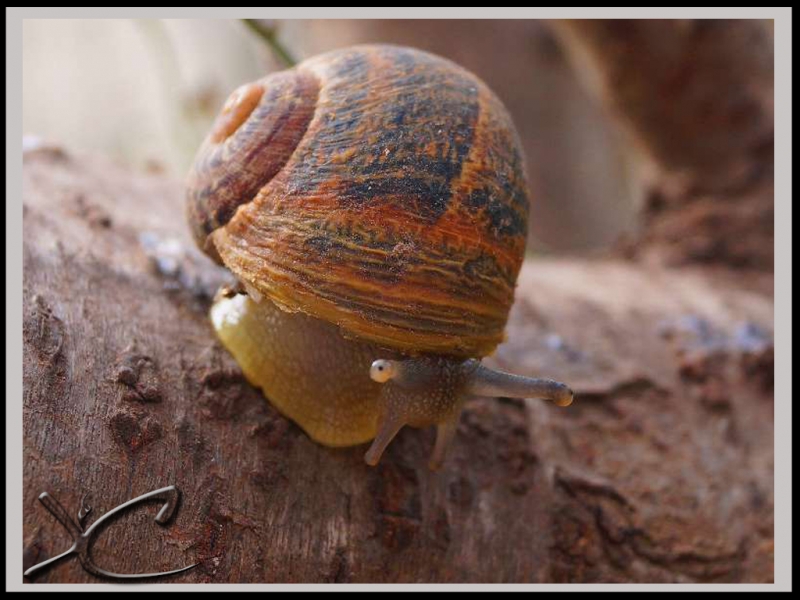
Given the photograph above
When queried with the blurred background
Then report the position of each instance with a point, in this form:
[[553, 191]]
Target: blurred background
[[144, 93]]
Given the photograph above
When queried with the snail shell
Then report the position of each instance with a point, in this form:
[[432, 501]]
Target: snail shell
[[378, 188]]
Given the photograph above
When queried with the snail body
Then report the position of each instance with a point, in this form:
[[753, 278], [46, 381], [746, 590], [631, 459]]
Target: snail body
[[372, 201], [310, 372]]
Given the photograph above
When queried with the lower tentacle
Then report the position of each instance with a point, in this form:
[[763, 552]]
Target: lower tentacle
[[445, 432], [387, 430]]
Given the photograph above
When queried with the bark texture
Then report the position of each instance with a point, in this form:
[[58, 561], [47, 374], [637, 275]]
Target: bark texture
[[661, 471]]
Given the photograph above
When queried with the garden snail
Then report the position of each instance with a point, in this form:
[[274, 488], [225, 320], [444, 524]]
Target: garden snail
[[372, 203]]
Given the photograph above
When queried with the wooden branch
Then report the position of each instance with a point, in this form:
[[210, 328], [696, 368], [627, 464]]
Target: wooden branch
[[660, 471]]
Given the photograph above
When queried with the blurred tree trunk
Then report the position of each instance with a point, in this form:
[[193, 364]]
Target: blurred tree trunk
[[697, 97]]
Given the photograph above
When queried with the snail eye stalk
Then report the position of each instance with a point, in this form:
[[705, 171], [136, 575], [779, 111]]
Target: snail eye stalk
[[488, 382]]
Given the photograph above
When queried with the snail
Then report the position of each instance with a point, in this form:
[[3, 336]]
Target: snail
[[372, 203]]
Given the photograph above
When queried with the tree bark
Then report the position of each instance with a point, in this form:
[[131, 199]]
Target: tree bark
[[661, 470]]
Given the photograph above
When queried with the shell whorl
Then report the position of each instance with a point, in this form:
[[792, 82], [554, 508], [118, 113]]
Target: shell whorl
[[253, 137], [395, 204]]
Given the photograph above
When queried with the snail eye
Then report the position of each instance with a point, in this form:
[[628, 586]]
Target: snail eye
[[382, 370]]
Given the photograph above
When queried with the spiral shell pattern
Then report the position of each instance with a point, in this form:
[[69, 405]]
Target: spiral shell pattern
[[379, 188]]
